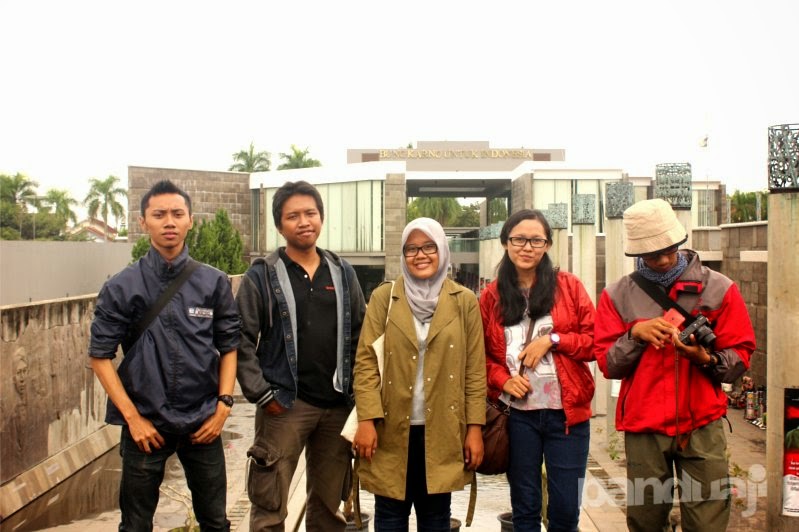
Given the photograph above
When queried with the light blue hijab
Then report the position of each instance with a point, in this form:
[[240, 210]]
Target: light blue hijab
[[422, 294]]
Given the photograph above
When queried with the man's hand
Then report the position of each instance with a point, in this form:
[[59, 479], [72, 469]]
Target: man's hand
[[144, 434], [656, 331], [696, 354], [273, 408], [364, 444], [473, 447], [211, 428]]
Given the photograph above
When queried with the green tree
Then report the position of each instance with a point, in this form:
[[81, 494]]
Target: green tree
[[17, 194], [63, 202], [251, 161], [215, 242], [297, 159], [743, 206], [445, 211], [102, 199], [497, 210], [469, 216]]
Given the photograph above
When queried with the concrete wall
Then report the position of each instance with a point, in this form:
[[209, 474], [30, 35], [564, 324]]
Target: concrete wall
[[750, 271], [209, 192], [38, 271]]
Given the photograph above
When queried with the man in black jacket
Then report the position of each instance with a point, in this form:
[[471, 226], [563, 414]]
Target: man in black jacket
[[172, 392], [302, 309]]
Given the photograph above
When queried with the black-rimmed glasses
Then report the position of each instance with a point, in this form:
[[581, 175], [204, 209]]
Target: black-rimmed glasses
[[654, 256], [520, 241], [427, 249]]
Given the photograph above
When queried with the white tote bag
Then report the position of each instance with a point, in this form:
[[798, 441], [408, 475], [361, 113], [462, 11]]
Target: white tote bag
[[351, 425]]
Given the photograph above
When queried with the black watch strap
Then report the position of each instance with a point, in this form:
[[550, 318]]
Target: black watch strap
[[227, 399]]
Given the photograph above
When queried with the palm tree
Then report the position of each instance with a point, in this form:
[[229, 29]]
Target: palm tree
[[297, 159], [102, 198], [63, 203], [249, 161], [19, 192]]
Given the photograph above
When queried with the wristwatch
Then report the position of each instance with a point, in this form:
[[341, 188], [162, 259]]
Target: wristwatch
[[554, 338], [713, 362], [227, 399]]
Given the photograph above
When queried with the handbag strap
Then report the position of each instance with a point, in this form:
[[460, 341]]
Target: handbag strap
[[139, 327], [659, 295], [472, 500], [390, 301]]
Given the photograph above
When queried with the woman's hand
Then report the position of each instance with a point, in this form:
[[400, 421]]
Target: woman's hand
[[535, 351], [517, 386], [364, 444], [473, 447]]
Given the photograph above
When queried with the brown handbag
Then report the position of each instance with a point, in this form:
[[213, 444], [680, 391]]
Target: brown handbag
[[495, 439], [496, 442]]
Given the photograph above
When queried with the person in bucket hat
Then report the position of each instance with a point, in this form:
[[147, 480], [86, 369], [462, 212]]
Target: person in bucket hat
[[670, 403]]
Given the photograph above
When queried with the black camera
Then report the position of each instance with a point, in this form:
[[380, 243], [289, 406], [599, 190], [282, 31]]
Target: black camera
[[701, 330]]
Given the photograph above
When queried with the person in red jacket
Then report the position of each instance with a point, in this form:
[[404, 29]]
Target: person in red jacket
[[671, 403], [547, 381]]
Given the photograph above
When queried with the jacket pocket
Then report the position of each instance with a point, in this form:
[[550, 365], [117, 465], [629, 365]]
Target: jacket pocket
[[263, 479]]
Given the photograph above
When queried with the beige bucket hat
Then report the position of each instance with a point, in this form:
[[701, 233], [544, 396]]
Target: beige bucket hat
[[651, 226]]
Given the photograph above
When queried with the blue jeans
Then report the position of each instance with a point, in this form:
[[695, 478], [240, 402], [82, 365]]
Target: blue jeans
[[432, 511], [143, 473], [536, 436]]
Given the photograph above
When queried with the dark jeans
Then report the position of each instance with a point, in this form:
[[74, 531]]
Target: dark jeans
[[538, 436], [432, 511], [143, 473]]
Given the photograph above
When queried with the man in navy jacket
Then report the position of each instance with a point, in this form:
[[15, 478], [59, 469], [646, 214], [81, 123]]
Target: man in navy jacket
[[172, 391]]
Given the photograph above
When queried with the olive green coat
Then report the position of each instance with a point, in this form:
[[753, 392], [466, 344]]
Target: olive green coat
[[454, 387]]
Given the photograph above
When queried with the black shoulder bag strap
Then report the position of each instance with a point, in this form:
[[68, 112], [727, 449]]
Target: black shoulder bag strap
[[659, 295], [139, 327]]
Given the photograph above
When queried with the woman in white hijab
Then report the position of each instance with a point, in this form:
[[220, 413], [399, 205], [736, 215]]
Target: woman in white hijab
[[419, 432]]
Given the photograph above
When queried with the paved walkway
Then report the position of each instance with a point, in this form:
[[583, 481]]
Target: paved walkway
[[603, 502]]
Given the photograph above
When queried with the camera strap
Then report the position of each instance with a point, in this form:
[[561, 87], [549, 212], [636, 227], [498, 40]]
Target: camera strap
[[659, 295]]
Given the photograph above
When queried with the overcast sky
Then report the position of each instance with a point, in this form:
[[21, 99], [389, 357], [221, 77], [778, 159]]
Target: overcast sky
[[89, 88]]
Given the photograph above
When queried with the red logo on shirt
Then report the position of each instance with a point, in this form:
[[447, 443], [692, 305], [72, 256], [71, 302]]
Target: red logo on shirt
[[331, 288]]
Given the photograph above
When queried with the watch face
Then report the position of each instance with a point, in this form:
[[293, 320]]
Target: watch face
[[554, 338], [227, 399]]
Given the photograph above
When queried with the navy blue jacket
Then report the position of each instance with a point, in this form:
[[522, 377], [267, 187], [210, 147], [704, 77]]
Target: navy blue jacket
[[172, 372], [267, 357]]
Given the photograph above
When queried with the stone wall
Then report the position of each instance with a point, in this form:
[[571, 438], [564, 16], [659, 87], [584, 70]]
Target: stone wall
[[209, 192], [50, 398], [52, 407], [751, 276]]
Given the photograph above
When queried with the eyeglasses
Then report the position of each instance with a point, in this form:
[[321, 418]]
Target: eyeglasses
[[520, 241], [654, 256], [427, 249]]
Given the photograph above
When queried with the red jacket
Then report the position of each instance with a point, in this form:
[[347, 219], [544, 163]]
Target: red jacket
[[653, 397], [573, 319]]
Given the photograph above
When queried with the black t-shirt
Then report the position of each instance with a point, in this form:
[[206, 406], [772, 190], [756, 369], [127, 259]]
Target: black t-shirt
[[315, 301]]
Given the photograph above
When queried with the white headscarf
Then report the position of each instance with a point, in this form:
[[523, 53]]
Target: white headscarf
[[422, 294]]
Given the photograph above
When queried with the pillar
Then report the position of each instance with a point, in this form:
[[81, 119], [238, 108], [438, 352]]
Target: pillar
[[783, 329], [673, 184], [584, 267], [618, 197], [557, 215]]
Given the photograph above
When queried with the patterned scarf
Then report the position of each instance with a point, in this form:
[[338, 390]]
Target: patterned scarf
[[665, 279]]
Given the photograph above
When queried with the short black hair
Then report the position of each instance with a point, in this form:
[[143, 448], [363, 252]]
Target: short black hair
[[290, 189], [163, 187]]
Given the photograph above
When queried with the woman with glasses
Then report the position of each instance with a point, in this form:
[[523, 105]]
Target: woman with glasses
[[419, 432], [538, 326]]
